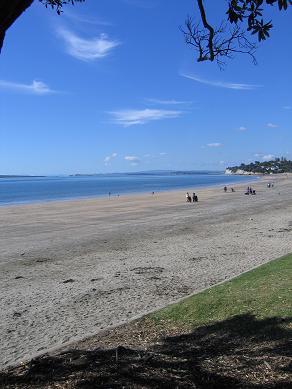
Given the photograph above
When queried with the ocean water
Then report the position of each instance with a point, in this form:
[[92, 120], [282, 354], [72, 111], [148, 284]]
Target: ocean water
[[21, 190]]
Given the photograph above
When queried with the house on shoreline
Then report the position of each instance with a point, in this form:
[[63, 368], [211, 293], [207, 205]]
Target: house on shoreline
[[276, 166]]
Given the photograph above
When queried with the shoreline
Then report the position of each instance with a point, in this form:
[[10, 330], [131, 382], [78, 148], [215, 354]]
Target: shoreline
[[72, 270], [247, 180]]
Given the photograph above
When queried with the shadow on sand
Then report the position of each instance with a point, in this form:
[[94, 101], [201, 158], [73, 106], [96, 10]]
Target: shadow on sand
[[242, 352]]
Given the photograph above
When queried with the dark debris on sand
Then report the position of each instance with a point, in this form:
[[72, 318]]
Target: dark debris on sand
[[241, 352]]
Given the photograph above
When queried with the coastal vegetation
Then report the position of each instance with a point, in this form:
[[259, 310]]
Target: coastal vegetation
[[278, 165]]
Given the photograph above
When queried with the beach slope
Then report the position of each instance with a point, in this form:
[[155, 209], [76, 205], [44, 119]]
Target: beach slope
[[71, 269]]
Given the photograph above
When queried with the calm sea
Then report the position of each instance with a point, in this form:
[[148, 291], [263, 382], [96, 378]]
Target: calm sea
[[34, 189]]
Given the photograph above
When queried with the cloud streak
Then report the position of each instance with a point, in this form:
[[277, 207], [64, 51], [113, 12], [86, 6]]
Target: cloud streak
[[84, 19], [131, 117], [168, 102], [221, 84], [36, 87], [215, 144], [90, 49], [268, 157], [109, 158], [272, 125], [141, 3], [133, 159]]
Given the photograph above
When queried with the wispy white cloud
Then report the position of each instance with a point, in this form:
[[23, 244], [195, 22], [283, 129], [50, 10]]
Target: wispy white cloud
[[36, 87], [215, 144], [264, 157], [131, 117], [87, 49], [242, 128], [109, 158], [85, 19], [268, 157], [287, 107], [141, 3], [168, 102], [221, 84], [272, 125], [163, 154], [133, 159]]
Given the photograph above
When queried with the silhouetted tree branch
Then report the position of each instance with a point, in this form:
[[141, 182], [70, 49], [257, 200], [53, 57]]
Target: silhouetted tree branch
[[224, 44], [214, 43], [10, 10]]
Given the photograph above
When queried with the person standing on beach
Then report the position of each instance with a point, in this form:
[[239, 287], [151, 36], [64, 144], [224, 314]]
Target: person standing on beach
[[225, 189], [194, 197]]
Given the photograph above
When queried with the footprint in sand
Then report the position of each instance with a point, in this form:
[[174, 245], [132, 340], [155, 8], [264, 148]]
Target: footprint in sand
[[68, 281]]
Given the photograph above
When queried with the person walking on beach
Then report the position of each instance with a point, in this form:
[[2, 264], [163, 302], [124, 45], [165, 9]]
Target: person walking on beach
[[225, 189]]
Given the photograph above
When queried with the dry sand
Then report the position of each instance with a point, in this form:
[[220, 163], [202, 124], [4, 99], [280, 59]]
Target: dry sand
[[70, 269]]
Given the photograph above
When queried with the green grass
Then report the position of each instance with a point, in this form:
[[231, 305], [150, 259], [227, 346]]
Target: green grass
[[264, 292]]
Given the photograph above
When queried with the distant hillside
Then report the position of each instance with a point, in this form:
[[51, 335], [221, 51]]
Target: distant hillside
[[151, 173], [278, 165]]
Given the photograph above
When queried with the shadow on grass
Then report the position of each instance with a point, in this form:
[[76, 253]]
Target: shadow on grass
[[241, 352]]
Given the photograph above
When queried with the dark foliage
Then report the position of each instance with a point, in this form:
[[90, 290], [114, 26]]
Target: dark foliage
[[10, 10], [58, 4], [278, 165], [241, 352], [218, 43]]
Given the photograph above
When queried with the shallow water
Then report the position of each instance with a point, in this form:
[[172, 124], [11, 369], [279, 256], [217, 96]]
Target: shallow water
[[18, 190]]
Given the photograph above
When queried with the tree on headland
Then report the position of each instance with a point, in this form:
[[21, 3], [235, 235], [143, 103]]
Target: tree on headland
[[276, 165], [10, 10], [245, 18]]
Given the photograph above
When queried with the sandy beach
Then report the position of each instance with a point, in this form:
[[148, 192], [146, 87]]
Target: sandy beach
[[70, 269]]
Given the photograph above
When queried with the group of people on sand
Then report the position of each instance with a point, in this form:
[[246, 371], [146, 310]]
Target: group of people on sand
[[225, 189], [250, 190], [193, 198]]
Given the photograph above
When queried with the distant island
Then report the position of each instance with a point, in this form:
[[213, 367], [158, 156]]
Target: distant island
[[150, 173], [17, 176], [276, 166]]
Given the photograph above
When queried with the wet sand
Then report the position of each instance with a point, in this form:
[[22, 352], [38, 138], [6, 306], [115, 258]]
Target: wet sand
[[70, 269]]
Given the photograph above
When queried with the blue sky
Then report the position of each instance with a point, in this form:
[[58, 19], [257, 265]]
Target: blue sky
[[110, 86]]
